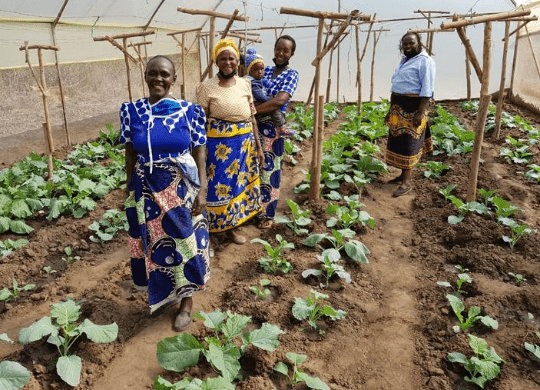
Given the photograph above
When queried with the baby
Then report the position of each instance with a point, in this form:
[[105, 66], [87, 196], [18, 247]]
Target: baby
[[259, 87]]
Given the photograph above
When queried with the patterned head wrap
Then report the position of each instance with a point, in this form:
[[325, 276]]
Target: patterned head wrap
[[225, 44], [252, 58]]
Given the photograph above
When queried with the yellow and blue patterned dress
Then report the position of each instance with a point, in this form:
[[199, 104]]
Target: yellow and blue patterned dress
[[231, 163], [168, 246]]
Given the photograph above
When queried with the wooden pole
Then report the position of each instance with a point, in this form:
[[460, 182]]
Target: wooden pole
[[141, 68], [468, 47], [514, 62], [498, 113], [338, 65], [312, 88], [49, 144], [484, 18], [375, 41], [485, 99], [126, 59], [315, 185], [60, 84], [322, 14], [211, 47], [183, 90], [358, 71], [468, 74]]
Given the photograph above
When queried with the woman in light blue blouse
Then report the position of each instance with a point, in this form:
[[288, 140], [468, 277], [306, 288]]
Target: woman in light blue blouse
[[409, 135], [284, 81], [166, 177]]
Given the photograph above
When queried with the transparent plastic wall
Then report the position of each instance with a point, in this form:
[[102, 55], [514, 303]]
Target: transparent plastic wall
[[526, 85]]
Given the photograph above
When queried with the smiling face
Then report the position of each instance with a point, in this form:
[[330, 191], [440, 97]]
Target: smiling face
[[159, 77], [283, 51], [227, 62], [257, 71], [410, 45]]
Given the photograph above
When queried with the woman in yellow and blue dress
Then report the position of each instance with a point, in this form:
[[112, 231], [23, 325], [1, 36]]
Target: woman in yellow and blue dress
[[165, 165], [233, 146]]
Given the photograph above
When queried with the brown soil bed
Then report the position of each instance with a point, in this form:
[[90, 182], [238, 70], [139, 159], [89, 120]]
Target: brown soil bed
[[398, 330]]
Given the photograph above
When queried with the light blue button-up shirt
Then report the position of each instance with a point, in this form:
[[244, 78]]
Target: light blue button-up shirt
[[415, 75]]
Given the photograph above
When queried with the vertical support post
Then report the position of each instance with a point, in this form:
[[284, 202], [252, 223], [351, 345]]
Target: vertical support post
[[498, 113], [514, 61], [338, 65], [200, 56], [314, 187], [211, 44], [358, 69], [126, 59], [60, 85], [329, 81], [49, 145], [183, 90], [485, 99], [468, 74], [375, 41]]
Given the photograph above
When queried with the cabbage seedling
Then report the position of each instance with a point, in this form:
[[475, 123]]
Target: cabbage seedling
[[262, 294], [275, 262], [63, 331], [12, 295], [329, 259], [298, 375], [472, 316], [483, 366], [311, 309]]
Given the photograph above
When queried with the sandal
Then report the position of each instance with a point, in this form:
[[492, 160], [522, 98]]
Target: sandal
[[182, 321], [395, 180], [237, 238], [266, 224], [401, 190]]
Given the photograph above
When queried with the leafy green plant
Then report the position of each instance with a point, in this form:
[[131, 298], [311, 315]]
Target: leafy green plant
[[311, 309], [533, 173], [473, 315], [483, 366], [12, 295], [8, 246], [275, 262], [433, 169], [342, 239], [109, 225], [300, 120], [49, 270], [69, 259], [347, 216], [62, 328], [260, 290], [518, 278], [461, 279], [503, 209], [13, 375], [533, 348], [517, 230], [218, 383], [330, 267], [290, 150], [462, 207], [518, 152], [449, 135], [299, 219], [181, 351], [487, 195], [298, 375]]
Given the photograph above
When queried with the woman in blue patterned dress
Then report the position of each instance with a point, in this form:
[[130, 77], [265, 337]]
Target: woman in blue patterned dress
[[233, 145], [284, 83], [165, 165]]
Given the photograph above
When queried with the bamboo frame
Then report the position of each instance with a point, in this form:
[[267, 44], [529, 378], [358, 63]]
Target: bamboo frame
[[485, 99], [498, 113], [484, 19]]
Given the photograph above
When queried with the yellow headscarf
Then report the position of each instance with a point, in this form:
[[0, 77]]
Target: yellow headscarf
[[225, 44]]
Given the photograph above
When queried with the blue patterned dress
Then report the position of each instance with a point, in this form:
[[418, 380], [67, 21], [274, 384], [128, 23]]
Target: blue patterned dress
[[272, 143], [168, 247]]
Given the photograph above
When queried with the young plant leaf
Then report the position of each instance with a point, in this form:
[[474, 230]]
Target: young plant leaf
[[13, 375], [69, 369], [178, 352], [99, 333]]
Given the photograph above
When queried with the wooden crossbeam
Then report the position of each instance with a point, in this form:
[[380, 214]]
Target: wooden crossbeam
[[126, 35], [502, 16], [322, 14], [214, 14]]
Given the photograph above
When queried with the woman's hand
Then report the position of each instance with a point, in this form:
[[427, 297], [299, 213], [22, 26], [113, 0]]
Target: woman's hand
[[199, 204], [418, 117], [260, 156]]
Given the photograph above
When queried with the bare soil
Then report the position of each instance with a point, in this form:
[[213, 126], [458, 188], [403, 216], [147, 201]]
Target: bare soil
[[398, 330]]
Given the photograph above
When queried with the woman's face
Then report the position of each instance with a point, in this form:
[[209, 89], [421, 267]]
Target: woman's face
[[159, 77], [227, 62], [283, 51]]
